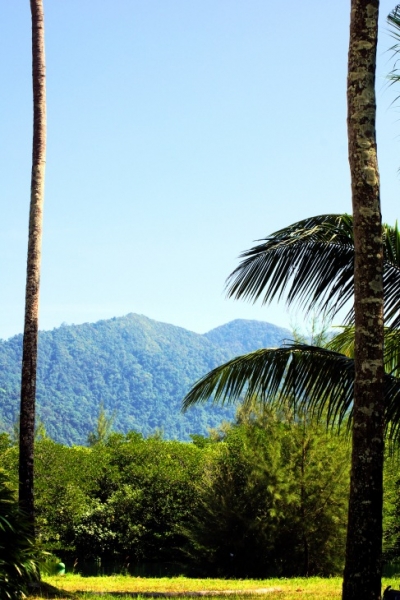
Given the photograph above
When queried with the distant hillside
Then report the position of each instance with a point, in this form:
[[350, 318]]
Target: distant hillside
[[241, 336], [137, 367]]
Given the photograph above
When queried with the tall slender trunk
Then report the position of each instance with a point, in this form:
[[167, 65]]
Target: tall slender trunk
[[29, 354], [306, 548], [362, 574]]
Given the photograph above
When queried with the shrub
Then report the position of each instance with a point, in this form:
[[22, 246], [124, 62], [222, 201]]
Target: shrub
[[19, 557]]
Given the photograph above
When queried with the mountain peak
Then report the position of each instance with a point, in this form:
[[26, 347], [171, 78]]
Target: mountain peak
[[247, 335], [138, 368]]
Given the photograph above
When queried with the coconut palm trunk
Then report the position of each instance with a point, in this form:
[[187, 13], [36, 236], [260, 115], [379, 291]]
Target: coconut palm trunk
[[362, 575], [29, 356]]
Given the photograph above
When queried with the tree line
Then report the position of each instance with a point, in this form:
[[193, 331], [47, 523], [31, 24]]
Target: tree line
[[263, 496]]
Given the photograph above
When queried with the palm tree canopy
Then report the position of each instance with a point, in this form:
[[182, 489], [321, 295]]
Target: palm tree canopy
[[314, 379], [312, 261]]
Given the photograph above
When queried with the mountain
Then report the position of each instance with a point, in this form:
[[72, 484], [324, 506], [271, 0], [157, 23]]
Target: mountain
[[241, 336], [138, 368]]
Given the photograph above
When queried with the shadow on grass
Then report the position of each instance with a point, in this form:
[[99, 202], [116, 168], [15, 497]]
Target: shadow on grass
[[45, 590]]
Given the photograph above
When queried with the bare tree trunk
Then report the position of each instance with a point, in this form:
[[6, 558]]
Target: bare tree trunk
[[29, 356], [362, 575]]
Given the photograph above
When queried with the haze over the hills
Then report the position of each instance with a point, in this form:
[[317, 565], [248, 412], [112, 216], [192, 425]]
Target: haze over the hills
[[139, 368]]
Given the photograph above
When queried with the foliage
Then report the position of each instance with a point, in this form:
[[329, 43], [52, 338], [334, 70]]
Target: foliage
[[103, 428], [149, 492], [134, 500], [312, 261], [122, 498], [19, 557], [139, 369], [65, 480], [391, 512], [272, 486]]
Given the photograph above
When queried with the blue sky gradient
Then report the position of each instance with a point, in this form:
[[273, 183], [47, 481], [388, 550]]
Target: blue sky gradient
[[178, 133]]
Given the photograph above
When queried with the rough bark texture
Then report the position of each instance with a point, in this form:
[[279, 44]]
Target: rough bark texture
[[362, 575], [29, 356]]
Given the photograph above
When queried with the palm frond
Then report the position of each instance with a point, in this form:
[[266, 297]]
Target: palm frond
[[392, 351], [312, 261], [391, 275], [393, 19], [391, 240], [392, 398], [343, 343], [313, 379], [302, 258]]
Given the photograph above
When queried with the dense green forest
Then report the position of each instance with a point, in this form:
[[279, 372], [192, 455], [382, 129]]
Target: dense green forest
[[229, 504], [265, 495], [137, 368]]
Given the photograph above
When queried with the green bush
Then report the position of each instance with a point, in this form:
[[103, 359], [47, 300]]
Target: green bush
[[272, 501], [19, 557], [266, 495]]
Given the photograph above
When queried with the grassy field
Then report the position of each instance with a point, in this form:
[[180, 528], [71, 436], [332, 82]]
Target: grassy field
[[124, 587]]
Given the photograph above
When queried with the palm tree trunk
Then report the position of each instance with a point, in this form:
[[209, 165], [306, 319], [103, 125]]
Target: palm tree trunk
[[362, 575], [29, 354]]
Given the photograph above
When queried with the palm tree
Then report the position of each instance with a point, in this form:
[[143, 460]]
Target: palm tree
[[311, 262], [363, 564], [358, 384], [29, 352]]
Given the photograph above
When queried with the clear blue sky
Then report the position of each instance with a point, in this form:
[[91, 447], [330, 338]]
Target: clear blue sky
[[178, 133]]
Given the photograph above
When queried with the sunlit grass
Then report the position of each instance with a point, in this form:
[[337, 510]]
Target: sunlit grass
[[123, 587]]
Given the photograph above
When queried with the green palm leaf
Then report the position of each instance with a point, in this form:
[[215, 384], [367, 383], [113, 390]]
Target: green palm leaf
[[391, 274], [394, 22], [314, 379], [19, 556], [312, 261], [343, 342]]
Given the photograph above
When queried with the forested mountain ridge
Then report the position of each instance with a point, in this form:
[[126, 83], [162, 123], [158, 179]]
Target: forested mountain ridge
[[138, 368]]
